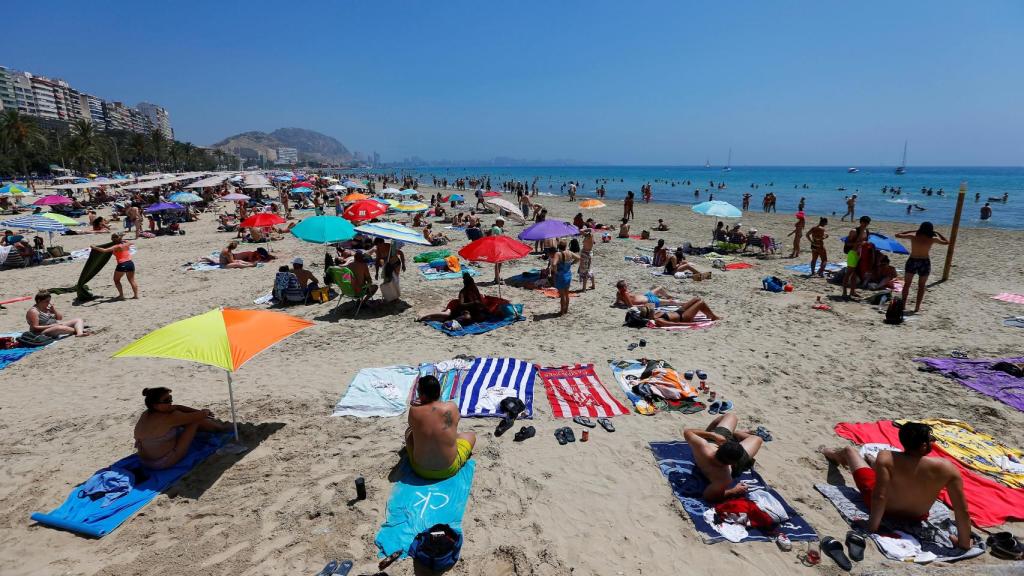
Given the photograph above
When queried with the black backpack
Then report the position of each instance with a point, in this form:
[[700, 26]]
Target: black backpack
[[894, 313], [635, 319]]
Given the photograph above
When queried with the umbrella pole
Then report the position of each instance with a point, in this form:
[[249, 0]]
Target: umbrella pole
[[231, 398]]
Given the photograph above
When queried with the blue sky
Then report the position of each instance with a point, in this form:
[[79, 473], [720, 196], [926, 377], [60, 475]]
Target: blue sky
[[782, 82]]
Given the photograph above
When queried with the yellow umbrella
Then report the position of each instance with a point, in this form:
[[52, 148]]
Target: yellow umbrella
[[62, 219], [591, 203]]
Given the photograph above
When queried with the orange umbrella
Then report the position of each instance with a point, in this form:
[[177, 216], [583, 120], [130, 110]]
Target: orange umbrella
[[354, 197], [591, 203]]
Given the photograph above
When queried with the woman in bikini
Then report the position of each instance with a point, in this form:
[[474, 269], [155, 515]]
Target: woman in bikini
[[227, 258], [920, 262], [684, 315], [122, 251], [165, 430]]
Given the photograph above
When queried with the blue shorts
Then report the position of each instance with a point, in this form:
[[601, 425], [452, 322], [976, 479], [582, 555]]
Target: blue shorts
[[128, 266], [653, 299]]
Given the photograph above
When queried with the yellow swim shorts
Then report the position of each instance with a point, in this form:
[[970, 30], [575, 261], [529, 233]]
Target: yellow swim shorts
[[463, 452]]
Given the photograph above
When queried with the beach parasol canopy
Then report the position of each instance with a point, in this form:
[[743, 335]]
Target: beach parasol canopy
[[364, 210], [324, 229], [494, 249], [283, 178], [393, 231], [548, 229], [337, 188], [184, 198], [162, 206], [501, 204], [884, 243], [12, 190], [454, 198], [408, 192], [354, 184], [591, 203], [53, 200], [234, 197], [390, 191], [354, 197], [62, 219], [302, 190], [262, 220], [717, 208], [35, 222], [411, 206], [226, 338]]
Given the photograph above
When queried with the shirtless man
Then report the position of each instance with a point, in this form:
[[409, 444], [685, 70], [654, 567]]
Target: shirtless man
[[361, 280], [817, 236], [722, 454], [905, 484], [435, 448], [135, 220], [851, 204], [655, 296], [228, 260]]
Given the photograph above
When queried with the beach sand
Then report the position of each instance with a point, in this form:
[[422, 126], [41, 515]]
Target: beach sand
[[536, 508]]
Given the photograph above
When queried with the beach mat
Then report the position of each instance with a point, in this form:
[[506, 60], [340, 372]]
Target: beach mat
[[989, 502], [1008, 297], [12, 355], [417, 504], [577, 391], [82, 515], [675, 459], [806, 268], [626, 372], [480, 327], [449, 373], [432, 274], [922, 542], [377, 392], [978, 375], [489, 380]]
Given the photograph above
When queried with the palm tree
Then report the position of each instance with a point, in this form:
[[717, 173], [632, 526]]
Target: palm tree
[[187, 151], [158, 144], [138, 145], [21, 136], [83, 145]]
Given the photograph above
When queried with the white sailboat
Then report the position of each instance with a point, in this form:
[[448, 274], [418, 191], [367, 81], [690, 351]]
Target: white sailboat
[[728, 165], [707, 163], [902, 168], [852, 170]]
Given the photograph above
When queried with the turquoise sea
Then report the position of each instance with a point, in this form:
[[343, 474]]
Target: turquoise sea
[[827, 187]]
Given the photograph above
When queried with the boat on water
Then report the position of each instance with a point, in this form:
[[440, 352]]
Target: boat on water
[[902, 168], [852, 170], [707, 163], [728, 165]]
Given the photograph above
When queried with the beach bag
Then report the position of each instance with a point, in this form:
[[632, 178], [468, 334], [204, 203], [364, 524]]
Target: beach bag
[[57, 252], [634, 319], [773, 284], [30, 340], [436, 548], [894, 313], [320, 295]]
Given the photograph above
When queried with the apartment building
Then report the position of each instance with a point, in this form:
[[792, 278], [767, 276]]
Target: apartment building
[[158, 117]]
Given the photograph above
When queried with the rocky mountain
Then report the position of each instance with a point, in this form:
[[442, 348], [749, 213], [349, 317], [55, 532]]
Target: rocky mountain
[[311, 145]]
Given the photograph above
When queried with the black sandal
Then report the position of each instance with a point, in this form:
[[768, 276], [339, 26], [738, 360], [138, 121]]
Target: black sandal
[[584, 421], [560, 436], [606, 424], [504, 426], [833, 549], [525, 433], [856, 544]]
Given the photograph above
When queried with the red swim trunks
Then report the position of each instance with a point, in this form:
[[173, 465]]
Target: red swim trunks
[[864, 478]]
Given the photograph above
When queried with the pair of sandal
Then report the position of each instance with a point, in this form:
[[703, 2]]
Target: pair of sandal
[[855, 543], [335, 568], [1004, 546], [564, 435], [603, 422], [512, 407], [701, 375], [720, 407]]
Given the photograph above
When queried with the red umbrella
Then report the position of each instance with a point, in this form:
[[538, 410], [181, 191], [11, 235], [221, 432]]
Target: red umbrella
[[262, 220], [303, 185], [364, 210], [492, 194], [494, 249]]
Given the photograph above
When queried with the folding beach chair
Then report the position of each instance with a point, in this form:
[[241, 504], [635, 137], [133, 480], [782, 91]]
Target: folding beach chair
[[342, 278]]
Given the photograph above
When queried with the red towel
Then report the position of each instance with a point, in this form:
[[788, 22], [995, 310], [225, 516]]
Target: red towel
[[757, 517], [988, 502], [576, 391], [738, 266]]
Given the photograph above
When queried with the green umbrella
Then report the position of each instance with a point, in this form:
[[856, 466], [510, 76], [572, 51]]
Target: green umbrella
[[324, 229]]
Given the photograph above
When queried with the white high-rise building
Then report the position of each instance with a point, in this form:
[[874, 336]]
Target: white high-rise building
[[158, 117]]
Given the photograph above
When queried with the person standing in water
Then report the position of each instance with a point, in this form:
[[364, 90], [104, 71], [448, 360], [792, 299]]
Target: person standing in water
[[920, 262]]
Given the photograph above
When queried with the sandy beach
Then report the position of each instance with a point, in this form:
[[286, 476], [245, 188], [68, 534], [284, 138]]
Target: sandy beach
[[536, 508]]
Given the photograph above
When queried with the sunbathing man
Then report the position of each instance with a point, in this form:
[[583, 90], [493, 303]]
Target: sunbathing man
[[435, 448], [165, 430], [362, 283], [722, 454], [656, 296], [817, 236], [434, 239], [905, 484]]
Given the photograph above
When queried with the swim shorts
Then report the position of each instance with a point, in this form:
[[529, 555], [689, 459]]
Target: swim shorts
[[852, 258], [653, 299], [463, 451], [128, 266], [919, 266]]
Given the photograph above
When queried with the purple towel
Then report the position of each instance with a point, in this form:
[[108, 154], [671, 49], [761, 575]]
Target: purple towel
[[977, 374]]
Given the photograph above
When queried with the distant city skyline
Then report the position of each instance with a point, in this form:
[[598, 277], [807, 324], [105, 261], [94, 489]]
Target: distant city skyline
[[799, 83]]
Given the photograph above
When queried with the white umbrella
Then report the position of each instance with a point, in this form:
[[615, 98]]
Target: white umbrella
[[502, 204]]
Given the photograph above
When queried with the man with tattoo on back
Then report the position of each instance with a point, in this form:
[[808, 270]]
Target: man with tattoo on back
[[435, 447]]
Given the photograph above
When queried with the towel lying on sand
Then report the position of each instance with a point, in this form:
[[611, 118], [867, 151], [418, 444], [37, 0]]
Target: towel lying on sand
[[979, 452], [921, 542], [699, 321], [1014, 321], [417, 504], [806, 268], [12, 355], [489, 380], [1008, 297], [97, 518], [433, 274], [979, 375], [665, 381], [480, 327], [989, 502], [449, 373], [377, 392], [675, 459], [577, 391]]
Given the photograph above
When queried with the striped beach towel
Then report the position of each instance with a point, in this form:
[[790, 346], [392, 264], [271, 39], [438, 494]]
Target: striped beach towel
[[489, 380], [1007, 297], [576, 391]]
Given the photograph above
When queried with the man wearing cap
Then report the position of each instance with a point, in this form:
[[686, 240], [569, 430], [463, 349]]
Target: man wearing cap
[[306, 278]]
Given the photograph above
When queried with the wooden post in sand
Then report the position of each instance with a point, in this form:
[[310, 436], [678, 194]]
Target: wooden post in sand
[[953, 232]]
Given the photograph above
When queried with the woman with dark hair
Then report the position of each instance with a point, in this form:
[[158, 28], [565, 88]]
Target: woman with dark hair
[[165, 430], [561, 274], [44, 319], [920, 262], [466, 309]]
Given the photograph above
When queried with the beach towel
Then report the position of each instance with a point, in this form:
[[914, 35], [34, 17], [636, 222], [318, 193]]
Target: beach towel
[[417, 504], [448, 372], [979, 452], [723, 257], [699, 321], [267, 298], [523, 277], [577, 391], [1007, 297], [97, 518], [979, 375], [806, 268], [377, 392], [989, 502], [921, 542], [433, 274], [738, 266], [675, 459], [553, 293], [489, 380], [480, 327], [12, 355], [1014, 321], [627, 374]]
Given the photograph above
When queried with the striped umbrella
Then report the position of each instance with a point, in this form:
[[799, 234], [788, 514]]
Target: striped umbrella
[[12, 190], [36, 222], [62, 219], [393, 231], [411, 207]]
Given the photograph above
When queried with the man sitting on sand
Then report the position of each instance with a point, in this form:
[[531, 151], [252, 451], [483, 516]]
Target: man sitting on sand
[[433, 443], [656, 296], [905, 484], [722, 454]]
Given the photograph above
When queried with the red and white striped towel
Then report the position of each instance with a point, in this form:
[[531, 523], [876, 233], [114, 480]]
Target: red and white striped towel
[[699, 321], [576, 391], [1007, 297]]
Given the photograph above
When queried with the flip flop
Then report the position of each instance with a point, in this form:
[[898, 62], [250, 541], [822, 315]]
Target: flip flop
[[702, 375], [856, 544], [560, 436], [606, 424], [726, 406], [763, 433], [584, 421], [1004, 546], [833, 549], [504, 426], [568, 434], [344, 568], [688, 375], [715, 407], [329, 568], [525, 433]]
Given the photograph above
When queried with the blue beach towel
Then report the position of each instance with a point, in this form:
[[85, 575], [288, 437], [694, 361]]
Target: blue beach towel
[[433, 274], [12, 355], [806, 268], [417, 504], [688, 483], [489, 380], [97, 518], [480, 327]]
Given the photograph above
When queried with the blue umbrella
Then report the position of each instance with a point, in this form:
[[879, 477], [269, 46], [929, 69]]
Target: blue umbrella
[[885, 244], [455, 198], [324, 229], [408, 192], [717, 208], [161, 206], [184, 198], [302, 190]]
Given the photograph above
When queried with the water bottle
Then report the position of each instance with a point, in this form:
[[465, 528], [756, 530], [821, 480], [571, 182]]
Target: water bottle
[[360, 488]]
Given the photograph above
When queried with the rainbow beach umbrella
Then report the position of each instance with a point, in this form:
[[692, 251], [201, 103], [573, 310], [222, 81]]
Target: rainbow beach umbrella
[[225, 337]]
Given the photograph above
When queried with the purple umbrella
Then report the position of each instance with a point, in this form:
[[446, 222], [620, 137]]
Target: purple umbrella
[[548, 229], [161, 206]]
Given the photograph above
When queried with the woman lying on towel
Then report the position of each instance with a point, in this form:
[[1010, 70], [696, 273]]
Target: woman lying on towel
[[165, 430], [686, 313], [470, 306]]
